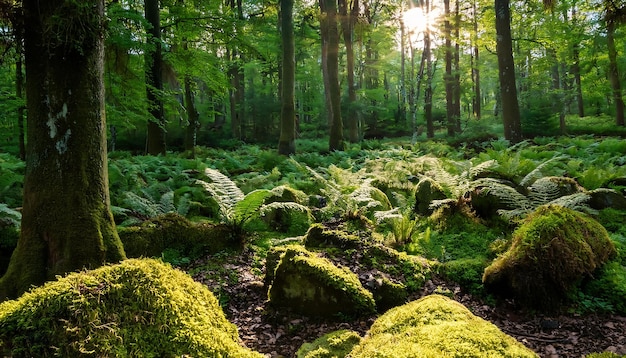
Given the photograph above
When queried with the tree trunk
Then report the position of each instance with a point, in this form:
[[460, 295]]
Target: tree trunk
[[614, 73], [154, 81], [66, 219], [347, 25], [475, 69], [506, 67], [448, 78], [192, 117], [457, 67], [428, 93], [19, 86], [287, 141], [332, 65], [576, 67]]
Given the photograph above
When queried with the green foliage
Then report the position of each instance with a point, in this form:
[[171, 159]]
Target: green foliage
[[335, 344], [609, 287], [136, 308], [11, 179], [436, 326]]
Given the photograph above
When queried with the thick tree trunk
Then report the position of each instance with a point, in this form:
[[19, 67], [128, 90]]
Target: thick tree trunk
[[477, 103], [506, 67], [457, 67], [19, 87], [332, 66], [154, 81], [448, 78], [614, 76], [287, 140], [428, 93], [66, 220]]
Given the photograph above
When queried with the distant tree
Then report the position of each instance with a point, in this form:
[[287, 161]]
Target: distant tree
[[613, 17], [154, 80], [287, 141], [66, 219]]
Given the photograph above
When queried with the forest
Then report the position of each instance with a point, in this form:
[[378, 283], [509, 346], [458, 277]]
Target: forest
[[332, 178]]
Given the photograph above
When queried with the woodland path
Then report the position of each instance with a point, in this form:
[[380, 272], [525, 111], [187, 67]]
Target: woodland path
[[280, 334]]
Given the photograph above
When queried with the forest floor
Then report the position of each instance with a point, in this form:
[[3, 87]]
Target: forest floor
[[280, 334]]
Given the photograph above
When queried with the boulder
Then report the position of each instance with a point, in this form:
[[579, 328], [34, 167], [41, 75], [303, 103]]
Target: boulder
[[603, 198], [138, 308], [436, 326], [331, 345], [426, 191], [551, 252], [313, 286]]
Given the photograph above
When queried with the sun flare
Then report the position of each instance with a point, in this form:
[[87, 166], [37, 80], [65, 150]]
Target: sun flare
[[416, 21]]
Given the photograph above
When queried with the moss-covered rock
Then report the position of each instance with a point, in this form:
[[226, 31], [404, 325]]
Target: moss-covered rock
[[288, 217], [285, 193], [436, 326], [172, 231], [335, 344], [551, 252], [312, 285], [136, 308], [603, 198], [426, 191], [319, 236]]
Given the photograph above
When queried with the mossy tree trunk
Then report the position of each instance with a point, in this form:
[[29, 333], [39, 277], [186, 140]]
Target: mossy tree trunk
[[66, 219]]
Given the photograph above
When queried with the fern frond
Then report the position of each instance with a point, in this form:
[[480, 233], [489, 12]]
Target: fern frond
[[12, 216], [381, 216], [506, 194], [476, 170], [249, 205], [166, 203], [283, 205], [144, 206], [577, 201], [538, 172], [228, 191]]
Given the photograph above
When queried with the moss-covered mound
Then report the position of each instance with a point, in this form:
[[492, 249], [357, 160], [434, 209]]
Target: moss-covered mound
[[172, 231], [426, 191], [314, 286], [332, 345], [319, 236], [550, 253], [436, 326], [139, 308]]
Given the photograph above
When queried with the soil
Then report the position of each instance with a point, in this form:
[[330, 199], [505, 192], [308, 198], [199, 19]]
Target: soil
[[280, 333]]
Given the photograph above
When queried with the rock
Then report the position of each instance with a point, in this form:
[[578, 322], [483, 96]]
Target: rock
[[136, 308], [333, 344], [603, 198], [436, 326], [313, 286], [551, 251], [426, 191]]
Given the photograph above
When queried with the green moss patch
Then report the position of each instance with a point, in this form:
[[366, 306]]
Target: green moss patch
[[319, 236], [311, 285], [172, 231], [335, 344], [610, 285], [551, 252], [136, 308], [436, 326]]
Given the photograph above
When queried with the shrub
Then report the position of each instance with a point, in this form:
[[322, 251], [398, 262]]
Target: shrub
[[331, 345], [136, 308]]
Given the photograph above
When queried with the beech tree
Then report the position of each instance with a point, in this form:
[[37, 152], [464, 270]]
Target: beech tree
[[66, 219], [287, 141]]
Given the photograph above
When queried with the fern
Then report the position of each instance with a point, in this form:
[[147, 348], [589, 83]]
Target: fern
[[538, 172], [13, 217]]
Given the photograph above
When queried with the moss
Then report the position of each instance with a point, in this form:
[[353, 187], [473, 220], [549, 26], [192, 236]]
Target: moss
[[287, 217], [388, 294], [319, 236], [551, 252], [335, 344], [285, 193], [436, 326], [172, 231], [466, 272], [136, 308], [314, 286], [426, 191]]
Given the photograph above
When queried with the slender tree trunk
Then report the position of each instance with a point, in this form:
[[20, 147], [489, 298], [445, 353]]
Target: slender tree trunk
[[154, 80], [457, 67], [577, 79], [448, 78], [428, 93], [348, 20], [614, 75], [477, 103], [287, 141], [506, 67], [329, 15], [192, 117], [66, 219]]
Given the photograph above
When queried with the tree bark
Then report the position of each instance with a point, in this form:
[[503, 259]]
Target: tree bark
[[506, 66], [428, 93], [287, 140], [19, 85], [66, 219], [475, 69], [614, 75], [348, 20], [332, 65], [448, 78], [154, 81], [192, 117]]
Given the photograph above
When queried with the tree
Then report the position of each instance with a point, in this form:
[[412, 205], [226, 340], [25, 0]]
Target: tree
[[287, 141], [66, 219], [613, 16], [348, 20], [154, 80], [506, 67], [333, 92]]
